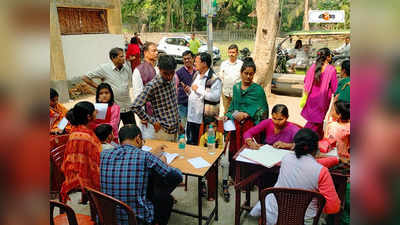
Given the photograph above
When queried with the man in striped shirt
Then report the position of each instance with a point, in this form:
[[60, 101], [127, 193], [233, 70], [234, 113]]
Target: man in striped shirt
[[161, 92]]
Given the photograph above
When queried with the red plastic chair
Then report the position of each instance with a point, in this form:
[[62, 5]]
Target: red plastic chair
[[56, 175], [69, 217], [58, 140], [106, 208], [292, 205]]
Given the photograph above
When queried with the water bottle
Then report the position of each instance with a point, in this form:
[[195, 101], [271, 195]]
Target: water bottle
[[211, 140], [181, 142]]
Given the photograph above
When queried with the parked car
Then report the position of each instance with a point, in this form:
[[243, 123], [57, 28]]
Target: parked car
[[175, 46]]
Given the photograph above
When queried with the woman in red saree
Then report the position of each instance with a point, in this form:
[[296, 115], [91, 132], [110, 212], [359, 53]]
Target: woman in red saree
[[81, 165], [133, 53]]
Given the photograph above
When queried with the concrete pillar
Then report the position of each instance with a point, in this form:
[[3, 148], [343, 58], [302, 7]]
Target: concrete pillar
[[114, 18], [58, 75]]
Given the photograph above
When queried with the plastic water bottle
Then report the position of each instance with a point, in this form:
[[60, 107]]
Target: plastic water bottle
[[211, 140], [181, 142]]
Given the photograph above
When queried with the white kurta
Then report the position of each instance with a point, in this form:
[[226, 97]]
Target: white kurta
[[196, 98]]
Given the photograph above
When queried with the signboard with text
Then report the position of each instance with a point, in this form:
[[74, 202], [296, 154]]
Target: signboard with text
[[326, 16], [208, 7]]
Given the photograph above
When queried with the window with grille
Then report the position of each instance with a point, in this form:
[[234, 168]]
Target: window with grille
[[82, 21]]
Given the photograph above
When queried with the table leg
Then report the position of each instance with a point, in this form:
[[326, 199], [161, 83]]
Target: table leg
[[237, 195], [200, 201], [216, 191]]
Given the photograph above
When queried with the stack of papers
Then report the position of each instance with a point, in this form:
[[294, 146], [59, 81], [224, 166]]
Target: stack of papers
[[146, 148], [229, 125], [170, 156], [199, 162], [267, 156]]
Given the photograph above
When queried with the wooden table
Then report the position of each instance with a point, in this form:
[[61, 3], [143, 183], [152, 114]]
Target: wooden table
[[340, 185], [186, 168]]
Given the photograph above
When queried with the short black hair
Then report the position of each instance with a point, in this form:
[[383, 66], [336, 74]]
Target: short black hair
[[281, 108], [305, 142], [115, 52], [103, 131], [147, 45], [107, 86], [233, 46], [187, 52], [135, 33], [53, 93], [166, 62], [346, 67], [128, 132], [208, 120], [298, 44], [342, 108], [205, 57]]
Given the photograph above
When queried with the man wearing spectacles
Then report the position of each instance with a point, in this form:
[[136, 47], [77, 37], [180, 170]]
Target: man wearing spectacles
[[184, 78]]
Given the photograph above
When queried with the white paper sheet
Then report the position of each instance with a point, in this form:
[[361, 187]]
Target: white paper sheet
[[267, 155], [101, 110], [332, 153], [147, 131], [199, 162], [170, 156], [242, 159], [229, 125], [146, 148], [62, 124]]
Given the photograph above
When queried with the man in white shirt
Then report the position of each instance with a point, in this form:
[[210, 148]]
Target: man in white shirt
[[344, 50], [204, 97], [142, 75], [230, 74], [118, 75]]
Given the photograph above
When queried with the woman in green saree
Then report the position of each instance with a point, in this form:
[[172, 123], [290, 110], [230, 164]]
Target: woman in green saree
[[248, 107]]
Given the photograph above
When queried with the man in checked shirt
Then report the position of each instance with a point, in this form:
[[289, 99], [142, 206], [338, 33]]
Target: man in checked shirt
[[141, 179], [161, 92]]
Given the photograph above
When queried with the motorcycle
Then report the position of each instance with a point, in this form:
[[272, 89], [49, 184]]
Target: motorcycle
[[245, 52], [338, 59], [282, 57]]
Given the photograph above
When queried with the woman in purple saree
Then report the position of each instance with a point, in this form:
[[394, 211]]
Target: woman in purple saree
[[320, 84]]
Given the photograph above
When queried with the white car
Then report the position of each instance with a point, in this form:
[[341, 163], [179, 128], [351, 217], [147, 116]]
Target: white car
[[175, 46]]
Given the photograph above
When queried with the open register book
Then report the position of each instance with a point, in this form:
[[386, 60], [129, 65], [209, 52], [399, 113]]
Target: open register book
[[267, 156]]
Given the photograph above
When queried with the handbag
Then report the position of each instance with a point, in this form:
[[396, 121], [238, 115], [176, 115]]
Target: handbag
[[303, 100], [326, 145]]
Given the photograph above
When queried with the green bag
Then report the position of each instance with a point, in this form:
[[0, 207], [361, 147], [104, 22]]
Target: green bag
[[303, 100]]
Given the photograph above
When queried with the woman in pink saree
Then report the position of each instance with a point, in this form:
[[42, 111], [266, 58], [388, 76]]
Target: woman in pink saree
[[320, 84]]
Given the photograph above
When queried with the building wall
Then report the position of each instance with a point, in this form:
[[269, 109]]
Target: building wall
[[82, 53], [62, 66]]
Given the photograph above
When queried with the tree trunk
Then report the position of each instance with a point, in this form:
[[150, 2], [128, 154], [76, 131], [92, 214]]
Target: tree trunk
[[306, 25], [264, 54], [168, 17]]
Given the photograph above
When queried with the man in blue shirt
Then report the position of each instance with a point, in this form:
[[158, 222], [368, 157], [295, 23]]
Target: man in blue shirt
[[126, 172]]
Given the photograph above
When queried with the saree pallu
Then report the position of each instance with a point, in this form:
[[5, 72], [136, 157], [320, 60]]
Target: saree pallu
[[81, 165]]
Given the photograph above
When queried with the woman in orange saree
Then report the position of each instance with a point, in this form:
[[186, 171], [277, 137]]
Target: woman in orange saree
[[81, 165], [57, 113]]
